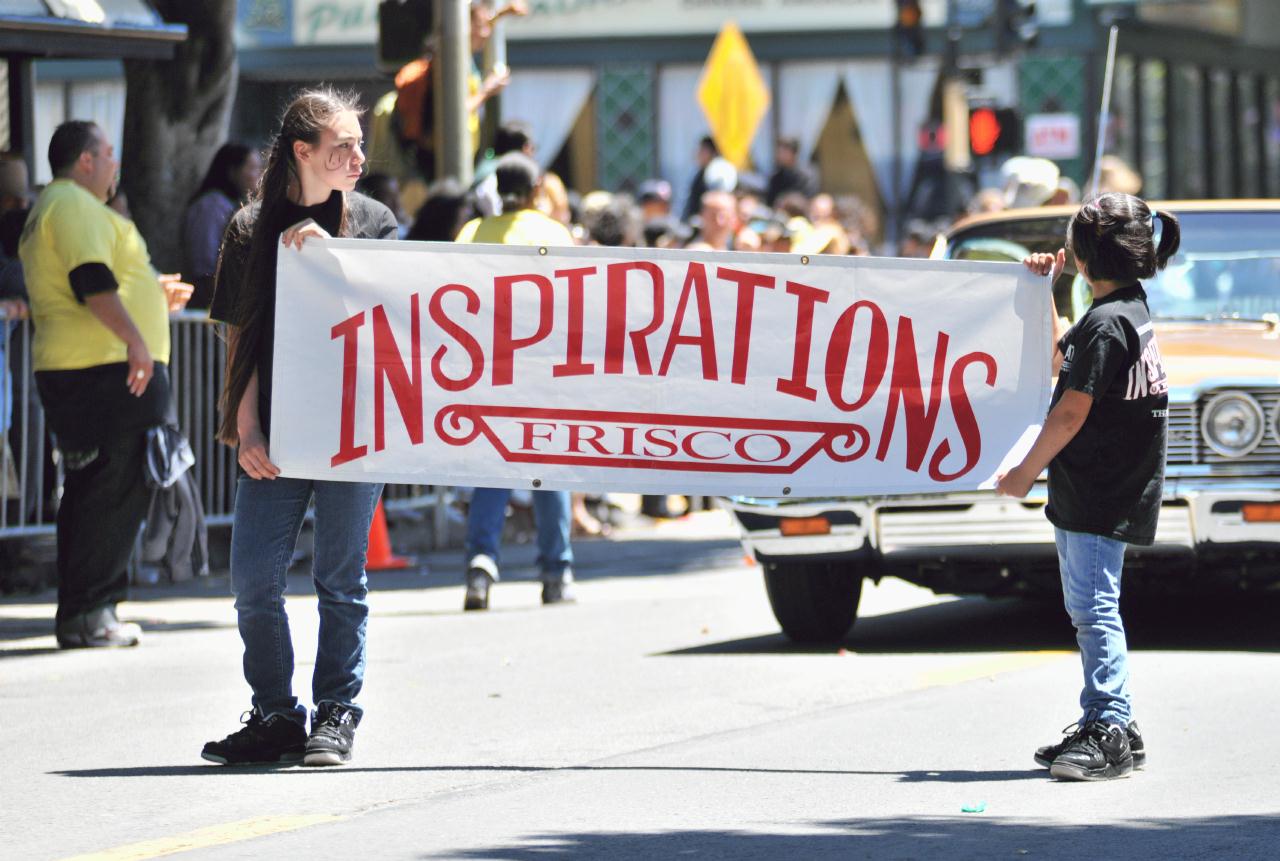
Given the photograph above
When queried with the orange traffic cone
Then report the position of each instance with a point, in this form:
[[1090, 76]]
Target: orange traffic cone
[[380, 556]]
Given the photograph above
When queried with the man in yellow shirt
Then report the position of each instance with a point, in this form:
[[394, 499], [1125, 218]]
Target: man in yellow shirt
[[100, 350], [518, 177]]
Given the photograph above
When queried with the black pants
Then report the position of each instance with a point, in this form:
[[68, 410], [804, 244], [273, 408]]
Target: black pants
[[103, 505], [104, 497]]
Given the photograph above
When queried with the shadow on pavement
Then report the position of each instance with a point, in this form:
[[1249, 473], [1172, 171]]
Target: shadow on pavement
[[1240, 623], [643, 555], [1237, 837], [903, 776]]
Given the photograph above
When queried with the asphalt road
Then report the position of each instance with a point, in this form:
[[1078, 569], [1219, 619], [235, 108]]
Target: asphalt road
[[661, 717]]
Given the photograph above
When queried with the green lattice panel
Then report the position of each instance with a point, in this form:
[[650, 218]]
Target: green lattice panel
[[624, 127], [1052, 85]]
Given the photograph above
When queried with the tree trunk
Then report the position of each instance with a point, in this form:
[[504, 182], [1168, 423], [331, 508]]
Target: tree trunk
[[176, 116]]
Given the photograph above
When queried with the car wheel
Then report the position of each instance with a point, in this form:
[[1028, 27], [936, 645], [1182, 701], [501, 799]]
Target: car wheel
[[814, 602]]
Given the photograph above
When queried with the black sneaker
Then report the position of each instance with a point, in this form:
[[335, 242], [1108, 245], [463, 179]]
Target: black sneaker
[[1045, 756], [1098, 752], [261, 741], [333, 734], [559, 591], [482, 573]]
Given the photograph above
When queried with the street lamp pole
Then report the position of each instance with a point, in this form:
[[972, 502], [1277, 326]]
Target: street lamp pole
[[495, 62], [453, 144]]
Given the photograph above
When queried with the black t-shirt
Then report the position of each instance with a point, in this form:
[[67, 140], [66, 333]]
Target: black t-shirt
[[1109, 479], [366, 219]]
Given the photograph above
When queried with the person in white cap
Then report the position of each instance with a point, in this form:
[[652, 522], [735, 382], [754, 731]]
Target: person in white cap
[[1029, 182]]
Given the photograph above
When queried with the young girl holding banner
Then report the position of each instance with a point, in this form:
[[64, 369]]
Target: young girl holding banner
[[307, 190], [1104, 445]]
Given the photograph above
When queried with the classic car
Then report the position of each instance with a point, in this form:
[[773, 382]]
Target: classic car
[[1217, 314]]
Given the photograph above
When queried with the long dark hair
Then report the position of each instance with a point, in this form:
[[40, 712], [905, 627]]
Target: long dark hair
[[310, 113], [1113, 235], [229, 157]]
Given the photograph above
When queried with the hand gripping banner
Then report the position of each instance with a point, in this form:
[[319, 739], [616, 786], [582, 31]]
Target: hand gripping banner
[[654, 371]]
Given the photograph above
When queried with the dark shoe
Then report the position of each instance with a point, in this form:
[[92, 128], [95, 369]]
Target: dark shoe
[[1045, 756], [333, 734], [559, 591], [98, 629], [482, 572], [261, 741], [1098, 752]]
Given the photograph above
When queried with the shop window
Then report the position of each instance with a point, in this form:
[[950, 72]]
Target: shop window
[[1122, 135], [1272, 120], [1222, 124], [101, 101], [577, 161], [1190, 168], [841, 156], [1154, 132], [1250, 137]]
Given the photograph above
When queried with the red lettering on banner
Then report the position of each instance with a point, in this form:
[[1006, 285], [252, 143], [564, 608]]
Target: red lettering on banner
[[628, 441], [573, 366], [798, 383], [577, 438], [784, 448], [505, 343], [616, 331], [650, 436], [966, 422], [695, 285], [469, 344], [748, 283], [838, 355], [529, 434], [349, 331], [905, 392], [687, 445], [388, 369]]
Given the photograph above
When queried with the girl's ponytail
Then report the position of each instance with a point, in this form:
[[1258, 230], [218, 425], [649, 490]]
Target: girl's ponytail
[[1170, 237]]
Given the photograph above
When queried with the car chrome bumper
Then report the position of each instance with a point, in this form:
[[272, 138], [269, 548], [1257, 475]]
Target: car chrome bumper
[[1197, 514]]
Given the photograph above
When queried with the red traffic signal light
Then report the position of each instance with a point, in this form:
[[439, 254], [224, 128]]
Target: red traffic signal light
[[994, 131]]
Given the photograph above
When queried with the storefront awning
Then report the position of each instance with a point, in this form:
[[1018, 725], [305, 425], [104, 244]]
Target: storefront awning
[[86, 28]]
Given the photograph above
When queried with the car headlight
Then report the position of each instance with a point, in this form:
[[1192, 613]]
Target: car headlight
[[1233, 424]]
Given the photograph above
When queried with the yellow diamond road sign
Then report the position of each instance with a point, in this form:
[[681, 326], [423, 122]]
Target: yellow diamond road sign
[[732, 94]]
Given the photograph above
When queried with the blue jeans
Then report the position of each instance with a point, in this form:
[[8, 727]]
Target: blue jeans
[[1090, 567], [268, 519], [552, 514]]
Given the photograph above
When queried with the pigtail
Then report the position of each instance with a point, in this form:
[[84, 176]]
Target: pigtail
[[1170, 237]]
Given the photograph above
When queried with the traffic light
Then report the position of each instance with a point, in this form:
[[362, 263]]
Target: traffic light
[[909, 29], [1016, 25], [995, 132]]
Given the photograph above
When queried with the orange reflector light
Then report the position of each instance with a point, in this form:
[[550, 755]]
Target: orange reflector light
[[804, 526], [1262, 512]]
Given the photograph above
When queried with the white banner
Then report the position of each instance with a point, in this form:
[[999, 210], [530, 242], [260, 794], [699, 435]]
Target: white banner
[[564, 19], [654, 371]]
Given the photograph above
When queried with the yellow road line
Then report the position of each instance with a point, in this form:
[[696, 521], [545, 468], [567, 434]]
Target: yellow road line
[[203, 838], [991, 666]]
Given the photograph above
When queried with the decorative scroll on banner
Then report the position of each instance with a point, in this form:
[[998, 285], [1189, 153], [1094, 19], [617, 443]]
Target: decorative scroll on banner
[[655, 371]]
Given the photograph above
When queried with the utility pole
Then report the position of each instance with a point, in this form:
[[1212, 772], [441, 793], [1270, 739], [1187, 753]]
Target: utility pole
[[955, 114], [495, 62], [453, 138]]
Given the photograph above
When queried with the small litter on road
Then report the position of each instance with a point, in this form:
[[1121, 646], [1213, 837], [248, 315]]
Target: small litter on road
[[974, 807]]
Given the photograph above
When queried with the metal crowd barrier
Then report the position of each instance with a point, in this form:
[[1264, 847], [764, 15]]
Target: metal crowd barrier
[[29, 476]]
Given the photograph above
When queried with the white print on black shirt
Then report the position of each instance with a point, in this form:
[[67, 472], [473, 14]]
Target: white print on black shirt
[[1147, 377]]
